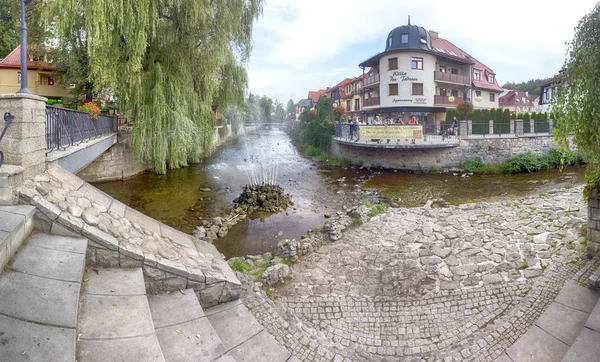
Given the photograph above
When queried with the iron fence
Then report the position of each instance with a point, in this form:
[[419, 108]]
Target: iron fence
[[502, 127], [480, 127], [541, 126], [66, 127]]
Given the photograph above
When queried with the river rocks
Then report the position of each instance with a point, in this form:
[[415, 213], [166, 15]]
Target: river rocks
[[266, 198], [275, 274], [74, 210]]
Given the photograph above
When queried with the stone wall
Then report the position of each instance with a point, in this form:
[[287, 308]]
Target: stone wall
[[117, 163], [594, 222], [491, 150]]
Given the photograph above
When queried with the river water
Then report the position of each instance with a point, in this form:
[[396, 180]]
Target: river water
[[183, 197]]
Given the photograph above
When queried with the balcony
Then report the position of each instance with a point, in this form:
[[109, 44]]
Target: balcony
[[370, 102], [444, 100], [371, 79], [450, 78]]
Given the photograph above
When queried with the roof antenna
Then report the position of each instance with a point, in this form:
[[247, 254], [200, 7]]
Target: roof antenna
[[409, 20]]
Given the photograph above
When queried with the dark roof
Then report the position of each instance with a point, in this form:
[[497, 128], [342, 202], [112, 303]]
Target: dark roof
[[305, 102]]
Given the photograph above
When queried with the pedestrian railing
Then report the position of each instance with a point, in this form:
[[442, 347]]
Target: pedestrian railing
[[66, 127], [7, 119]]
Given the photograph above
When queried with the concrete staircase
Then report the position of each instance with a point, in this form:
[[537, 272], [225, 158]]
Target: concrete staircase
[[54, 308], [586, 346]]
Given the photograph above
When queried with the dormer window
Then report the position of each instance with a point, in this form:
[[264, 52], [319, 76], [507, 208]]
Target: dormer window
[[390, 42], [491, 79], [477, 75], [404, 38]]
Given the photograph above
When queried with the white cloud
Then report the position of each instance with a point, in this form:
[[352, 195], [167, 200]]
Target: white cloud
[[303, 45]]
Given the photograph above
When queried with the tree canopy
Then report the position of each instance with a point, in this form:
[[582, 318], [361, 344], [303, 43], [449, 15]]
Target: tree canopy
[[167, 62], [290, 109], [532, 86], [577, 107]]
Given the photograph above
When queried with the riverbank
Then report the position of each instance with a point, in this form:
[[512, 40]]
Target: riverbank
[[459, 282]]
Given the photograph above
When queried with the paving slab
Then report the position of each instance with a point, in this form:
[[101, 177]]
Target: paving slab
[[562, 322], [24, 210], [141, 348], [260, 348], [593, 321], [58, 242], [114, 281], [222, 307], [537, 345], [10, 222], [577, 297], [174, 308], [39, 299], [25, 341], [234, 325], [118, 316], [49, 263], [295, 359], [191, 341], [585, 348]]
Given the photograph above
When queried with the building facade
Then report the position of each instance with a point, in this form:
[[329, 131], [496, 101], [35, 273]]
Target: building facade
[[518, 102], [39, 77], [421, 75], [547, 95]]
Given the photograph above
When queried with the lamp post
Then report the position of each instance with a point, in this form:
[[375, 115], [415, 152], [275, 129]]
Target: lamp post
[[24, 88]]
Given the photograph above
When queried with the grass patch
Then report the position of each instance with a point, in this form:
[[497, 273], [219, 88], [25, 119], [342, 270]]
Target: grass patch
[[357, 221], [240, 266], [527, 162], [375, 209]]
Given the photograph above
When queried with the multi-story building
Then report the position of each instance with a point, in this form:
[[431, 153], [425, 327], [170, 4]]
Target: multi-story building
[[39, 77], [547, 94], [518, 102], [420, 74]]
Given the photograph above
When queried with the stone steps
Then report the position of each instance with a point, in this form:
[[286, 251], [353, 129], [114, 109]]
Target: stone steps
[[243, 337], [39, 300], [16, 222], [586, 346], [115, 323]]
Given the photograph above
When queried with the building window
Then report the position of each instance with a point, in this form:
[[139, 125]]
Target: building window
[[477, 75], [491, 79], [443, 92], [404, 38], [357, 104], [417, 89], [455, 93], [348, 106], [18, 77], [423, 39], [492, 97], [417, 63], [442, 68], [393, 89], [393, 63], [390, 42], [477, 93], [454, 71]]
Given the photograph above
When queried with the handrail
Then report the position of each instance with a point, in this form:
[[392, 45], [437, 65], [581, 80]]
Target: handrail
[[8, 118]]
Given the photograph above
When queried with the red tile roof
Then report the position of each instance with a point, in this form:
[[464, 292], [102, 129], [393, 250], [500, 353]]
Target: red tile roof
[[515, 98], [315, 95], [13, 60], [452, 51]]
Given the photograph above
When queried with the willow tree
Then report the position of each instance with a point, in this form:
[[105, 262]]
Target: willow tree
[[577, 107], [168, 62]]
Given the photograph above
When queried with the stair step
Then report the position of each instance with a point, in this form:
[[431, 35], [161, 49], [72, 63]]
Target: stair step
[[586, 346], [115, 323], [39, 297], [15, 224], [243, 337], [184, 332]]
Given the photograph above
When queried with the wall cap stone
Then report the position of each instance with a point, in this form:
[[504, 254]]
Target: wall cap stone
[[22, 95]]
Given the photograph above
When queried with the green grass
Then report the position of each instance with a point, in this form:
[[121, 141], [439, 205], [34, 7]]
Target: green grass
[[375, 209], [526, 162], [357, 221], [240, 266]]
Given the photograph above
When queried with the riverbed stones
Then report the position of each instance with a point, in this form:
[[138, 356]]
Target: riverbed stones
[[264, 197], [447, 283], [275, 274]]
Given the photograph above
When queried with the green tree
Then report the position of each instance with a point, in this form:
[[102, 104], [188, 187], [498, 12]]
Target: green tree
[[290, 109], [279, 111], [577, 107], [167, 62], [9, 26], [266, 108], [252, 109]]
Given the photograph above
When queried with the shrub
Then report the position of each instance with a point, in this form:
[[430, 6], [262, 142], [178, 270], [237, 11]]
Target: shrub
[[240, 266], [472, 165], [464, 108], [527, 162], [91, 108]]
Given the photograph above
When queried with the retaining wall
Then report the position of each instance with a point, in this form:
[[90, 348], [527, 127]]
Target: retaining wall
[[493, 150], [593, 222]]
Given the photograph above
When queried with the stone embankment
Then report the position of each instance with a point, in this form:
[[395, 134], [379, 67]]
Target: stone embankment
[[453, 283], [123, 237]]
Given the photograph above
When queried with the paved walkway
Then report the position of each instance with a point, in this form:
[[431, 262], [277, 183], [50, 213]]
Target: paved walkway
[[456, 283]]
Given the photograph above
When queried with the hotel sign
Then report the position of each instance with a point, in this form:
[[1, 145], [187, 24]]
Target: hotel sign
[[403, 77], [391, 132]]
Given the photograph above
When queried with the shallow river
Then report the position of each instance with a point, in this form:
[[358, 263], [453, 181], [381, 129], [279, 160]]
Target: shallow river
[[183, 197]]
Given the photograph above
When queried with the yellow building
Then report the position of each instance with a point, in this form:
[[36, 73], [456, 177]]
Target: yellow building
[[39, 77]]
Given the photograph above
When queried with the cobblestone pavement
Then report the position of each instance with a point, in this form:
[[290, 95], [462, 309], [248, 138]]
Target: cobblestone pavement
[[455, 283]]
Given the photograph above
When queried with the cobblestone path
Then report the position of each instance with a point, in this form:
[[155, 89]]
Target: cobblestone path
[[456, 283]]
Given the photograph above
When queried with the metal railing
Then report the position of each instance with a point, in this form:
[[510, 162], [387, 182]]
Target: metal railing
[[450, 78], [7, 119], [502, 127], [372, 79], [541, 126], [66, 127], [480, 127], [438, 99]]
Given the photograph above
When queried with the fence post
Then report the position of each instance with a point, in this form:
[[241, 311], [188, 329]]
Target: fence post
[[463, 128], [550, 126], [512, 126], [24, 143], [491, 125], [532, 126], [470, 126], [436, 126], [519, 127]]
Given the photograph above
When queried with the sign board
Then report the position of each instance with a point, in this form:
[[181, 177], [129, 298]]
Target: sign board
[[391, 132]]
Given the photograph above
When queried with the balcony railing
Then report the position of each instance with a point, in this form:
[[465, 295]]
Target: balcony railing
[[65, 127], [372, 79], [369, 102], [450, 78], [444, 100]]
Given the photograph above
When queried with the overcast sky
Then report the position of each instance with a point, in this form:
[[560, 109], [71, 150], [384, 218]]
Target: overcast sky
[[302, 45]]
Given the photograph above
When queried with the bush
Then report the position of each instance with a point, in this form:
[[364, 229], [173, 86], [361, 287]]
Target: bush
[[472, 165], [527, 162], [311, 150], [240, 266]]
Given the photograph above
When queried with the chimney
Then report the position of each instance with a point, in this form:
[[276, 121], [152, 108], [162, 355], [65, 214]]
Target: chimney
[[433, 34]]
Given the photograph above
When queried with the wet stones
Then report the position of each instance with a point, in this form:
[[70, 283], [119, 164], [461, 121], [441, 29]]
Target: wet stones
[[265, 198]]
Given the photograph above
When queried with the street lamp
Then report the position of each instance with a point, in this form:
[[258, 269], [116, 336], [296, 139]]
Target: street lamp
[[24, 88]]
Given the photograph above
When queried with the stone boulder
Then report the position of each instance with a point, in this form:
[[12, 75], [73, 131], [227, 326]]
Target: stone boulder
[[275, 274]]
